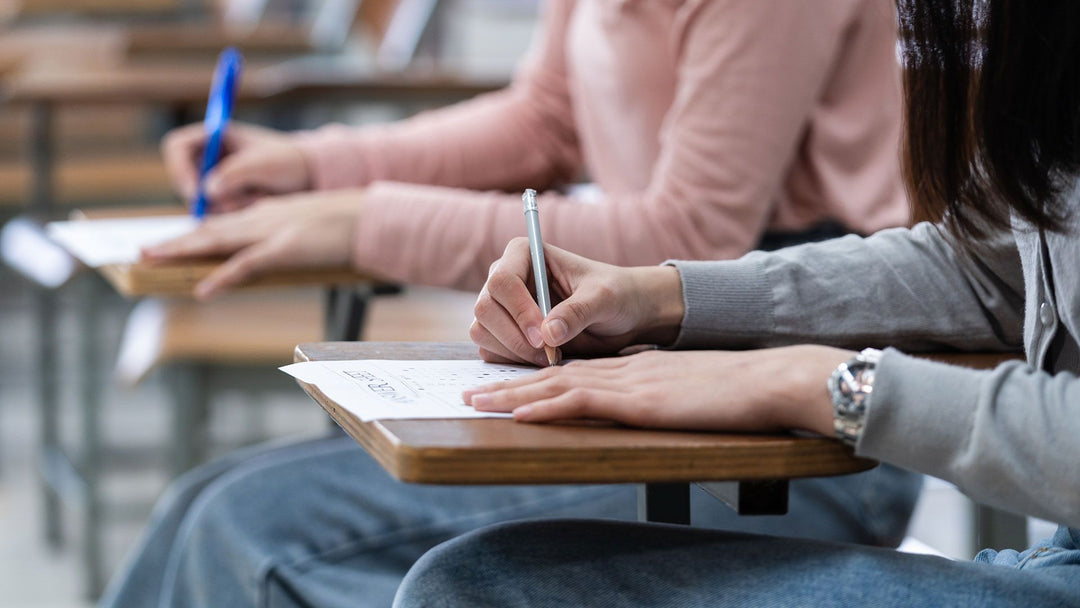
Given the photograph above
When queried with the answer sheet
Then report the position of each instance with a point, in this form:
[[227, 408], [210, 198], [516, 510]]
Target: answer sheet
[[381, 389], [117, 241]]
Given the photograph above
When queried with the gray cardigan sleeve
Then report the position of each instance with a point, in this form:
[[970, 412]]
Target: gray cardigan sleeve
[[903, 288], [1004, 436]]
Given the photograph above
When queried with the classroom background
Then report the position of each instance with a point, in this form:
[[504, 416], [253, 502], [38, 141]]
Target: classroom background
[[104, 398]]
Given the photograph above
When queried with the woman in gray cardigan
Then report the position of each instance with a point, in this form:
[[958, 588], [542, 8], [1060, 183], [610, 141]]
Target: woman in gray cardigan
[[993, 155]]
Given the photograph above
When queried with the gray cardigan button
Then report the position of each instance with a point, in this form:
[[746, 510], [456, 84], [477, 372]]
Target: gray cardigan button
[[1046, 314]]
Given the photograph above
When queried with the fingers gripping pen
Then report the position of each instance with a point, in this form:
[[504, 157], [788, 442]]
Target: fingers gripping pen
[[539, 265]]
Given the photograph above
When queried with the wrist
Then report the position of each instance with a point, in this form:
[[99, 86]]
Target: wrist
[[305, 166], [660, 293], [805, 401]]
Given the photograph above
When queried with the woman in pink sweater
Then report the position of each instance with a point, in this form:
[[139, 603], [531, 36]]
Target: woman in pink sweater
[[703, 122]]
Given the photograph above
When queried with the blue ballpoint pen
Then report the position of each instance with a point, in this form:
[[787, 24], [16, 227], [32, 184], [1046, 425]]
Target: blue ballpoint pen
[[218, 111]]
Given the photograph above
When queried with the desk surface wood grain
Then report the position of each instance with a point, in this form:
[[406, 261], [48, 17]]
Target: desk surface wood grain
[[187, 83], [500, 451]]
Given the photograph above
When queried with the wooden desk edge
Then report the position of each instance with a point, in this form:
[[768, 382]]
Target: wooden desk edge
[[798, 456], [179, 280], [652, 459], [436, 465]]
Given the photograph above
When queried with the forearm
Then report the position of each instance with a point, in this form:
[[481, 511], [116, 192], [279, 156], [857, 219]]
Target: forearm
[[449, 237], [466, 145], [909, 289]]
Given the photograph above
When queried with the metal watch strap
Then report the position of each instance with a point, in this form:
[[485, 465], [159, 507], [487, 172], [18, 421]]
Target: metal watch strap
[[850, 387]]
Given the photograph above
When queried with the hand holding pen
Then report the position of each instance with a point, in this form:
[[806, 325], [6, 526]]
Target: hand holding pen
[[603, 308]]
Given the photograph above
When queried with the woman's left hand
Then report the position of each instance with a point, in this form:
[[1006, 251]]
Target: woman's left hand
[[308, 230], [762, 390]]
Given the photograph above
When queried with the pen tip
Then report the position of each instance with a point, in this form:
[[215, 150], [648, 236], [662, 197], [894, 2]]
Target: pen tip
[[552, 355]]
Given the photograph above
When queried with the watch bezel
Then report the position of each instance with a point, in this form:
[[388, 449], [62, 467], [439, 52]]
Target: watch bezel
[[851, 386]]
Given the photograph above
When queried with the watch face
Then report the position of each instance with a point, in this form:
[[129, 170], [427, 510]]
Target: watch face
[[851, 385], [856, 382]]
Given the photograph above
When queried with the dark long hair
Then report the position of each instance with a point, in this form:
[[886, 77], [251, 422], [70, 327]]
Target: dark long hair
[[993, 110]]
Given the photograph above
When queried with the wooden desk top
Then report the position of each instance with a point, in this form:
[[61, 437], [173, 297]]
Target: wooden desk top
[[342, 77], [207, 39], [501, 451], [188, 83], [179, 278], [36, 7], [181, 83]]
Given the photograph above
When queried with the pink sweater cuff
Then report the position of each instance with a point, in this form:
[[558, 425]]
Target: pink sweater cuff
[[335, 156]]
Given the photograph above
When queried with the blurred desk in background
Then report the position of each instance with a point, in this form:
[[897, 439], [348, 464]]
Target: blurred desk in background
[[235, 342], [344, 79], [201, 41], [100, 7], [183, 90]]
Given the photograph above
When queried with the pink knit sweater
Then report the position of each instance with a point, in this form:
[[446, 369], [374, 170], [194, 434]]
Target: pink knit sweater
[[703, 122]]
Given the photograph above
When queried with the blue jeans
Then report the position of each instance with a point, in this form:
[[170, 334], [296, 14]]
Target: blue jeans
[[319, 523], [591, 563]]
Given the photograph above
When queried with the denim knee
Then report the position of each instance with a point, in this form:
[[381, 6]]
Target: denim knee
[[220, 551], [463, 567]]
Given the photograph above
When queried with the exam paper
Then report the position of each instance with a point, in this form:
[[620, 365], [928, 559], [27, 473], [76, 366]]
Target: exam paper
[[117, 241], [380, 389]]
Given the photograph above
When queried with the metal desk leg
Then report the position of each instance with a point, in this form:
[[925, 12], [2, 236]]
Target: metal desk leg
[[346, 307], [665, 503], [760, 497], [90, 464], [42, 158], [41, 201], [996, 529], [45, 302], [188, 382]]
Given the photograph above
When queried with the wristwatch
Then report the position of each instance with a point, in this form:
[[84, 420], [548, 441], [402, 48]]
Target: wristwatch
[[851, 387]]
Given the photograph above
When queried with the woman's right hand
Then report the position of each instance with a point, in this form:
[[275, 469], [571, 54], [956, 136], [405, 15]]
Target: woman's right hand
[[599, 308], [256, 162]]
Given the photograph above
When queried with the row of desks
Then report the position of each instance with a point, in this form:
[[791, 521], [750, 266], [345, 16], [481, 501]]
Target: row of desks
[[189, 84], [500, 451], [183, 88]]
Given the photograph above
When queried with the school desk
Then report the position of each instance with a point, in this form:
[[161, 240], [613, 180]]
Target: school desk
[[183, 86], [756, 468], [200, 40], [501, 451], [76, 477]]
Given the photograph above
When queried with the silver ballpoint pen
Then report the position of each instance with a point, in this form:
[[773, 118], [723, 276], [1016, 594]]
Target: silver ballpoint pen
[[539, 266]]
